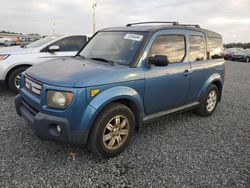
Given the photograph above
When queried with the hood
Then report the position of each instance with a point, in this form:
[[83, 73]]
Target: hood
[[72, 72], [15, 50]]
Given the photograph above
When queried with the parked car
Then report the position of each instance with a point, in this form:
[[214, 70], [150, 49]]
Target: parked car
[[240, 56], [237, 54], [247, 56], [15, 60], [4, 40], [229, 52], [10, 41], [123, 77], [27, 40]]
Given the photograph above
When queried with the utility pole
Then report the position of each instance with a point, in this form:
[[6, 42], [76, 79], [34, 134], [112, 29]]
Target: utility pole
[[54, 28], [94, 21]]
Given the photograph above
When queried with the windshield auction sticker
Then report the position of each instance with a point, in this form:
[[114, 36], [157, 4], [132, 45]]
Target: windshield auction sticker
[[133, 37]]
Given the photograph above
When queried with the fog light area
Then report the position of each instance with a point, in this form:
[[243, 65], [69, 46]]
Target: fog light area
[[58, 128]]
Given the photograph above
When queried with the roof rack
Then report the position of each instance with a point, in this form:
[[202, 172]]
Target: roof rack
[[191, 25], [140, 23], [174, 23]]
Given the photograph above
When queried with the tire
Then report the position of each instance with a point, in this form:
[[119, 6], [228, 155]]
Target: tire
[[12, 81], [102, 129], [6, 43], [204, 109]]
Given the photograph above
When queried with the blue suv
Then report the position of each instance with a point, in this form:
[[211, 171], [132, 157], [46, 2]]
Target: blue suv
[[123, 77]]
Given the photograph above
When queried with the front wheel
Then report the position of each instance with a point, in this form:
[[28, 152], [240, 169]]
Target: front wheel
[[112, 130], [14, 79], [209, 101]]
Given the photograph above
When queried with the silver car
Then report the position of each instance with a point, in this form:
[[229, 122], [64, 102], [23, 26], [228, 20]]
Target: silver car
[[5, 41], [14, 60]]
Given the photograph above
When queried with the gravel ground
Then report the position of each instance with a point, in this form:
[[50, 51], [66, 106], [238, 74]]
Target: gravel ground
[[181, 150]]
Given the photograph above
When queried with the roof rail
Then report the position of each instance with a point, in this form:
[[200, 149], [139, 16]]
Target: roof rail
[[140, 23], [191, 25]]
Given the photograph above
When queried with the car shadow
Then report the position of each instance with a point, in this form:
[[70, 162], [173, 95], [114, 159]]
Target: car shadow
[[71, 152], [5, 91]]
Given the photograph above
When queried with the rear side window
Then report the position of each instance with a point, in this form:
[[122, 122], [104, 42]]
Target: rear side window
[[173, 46], [215, 48], [196, 48]]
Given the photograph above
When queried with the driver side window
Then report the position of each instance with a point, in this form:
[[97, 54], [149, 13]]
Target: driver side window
[[172, 46]]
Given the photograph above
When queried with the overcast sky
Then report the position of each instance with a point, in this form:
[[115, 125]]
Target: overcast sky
[[231, 18]]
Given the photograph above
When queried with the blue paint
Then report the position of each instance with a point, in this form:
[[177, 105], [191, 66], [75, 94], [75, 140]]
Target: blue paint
[[152, 89]]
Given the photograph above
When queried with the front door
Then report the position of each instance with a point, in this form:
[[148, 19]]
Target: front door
[[167, 87], [69, 46]]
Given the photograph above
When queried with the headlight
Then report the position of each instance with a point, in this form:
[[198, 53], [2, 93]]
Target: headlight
[[58, 99], [4, 56]]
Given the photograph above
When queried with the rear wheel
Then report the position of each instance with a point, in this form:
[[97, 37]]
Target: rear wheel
[[247, 59], [6, 43], [14, 79], [209, 101], [112, 131]]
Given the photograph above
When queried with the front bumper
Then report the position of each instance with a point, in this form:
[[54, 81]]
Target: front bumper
[[2, 83], [45, 125]]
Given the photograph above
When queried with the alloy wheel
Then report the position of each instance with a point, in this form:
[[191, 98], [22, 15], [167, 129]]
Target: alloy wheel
[[116, 132], [17, 81], [211, 101]]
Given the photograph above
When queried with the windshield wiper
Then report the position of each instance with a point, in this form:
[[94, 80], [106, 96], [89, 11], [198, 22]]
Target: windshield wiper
[[103, 60]]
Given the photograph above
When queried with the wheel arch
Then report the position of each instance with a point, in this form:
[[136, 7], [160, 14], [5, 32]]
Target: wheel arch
[[132, 106], [218, 84], [13, 69], [121, 94], [215, 79], [125, 101]]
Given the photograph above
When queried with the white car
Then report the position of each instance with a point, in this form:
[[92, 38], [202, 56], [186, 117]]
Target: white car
[[3, 40], [10, 42], [14, 60]]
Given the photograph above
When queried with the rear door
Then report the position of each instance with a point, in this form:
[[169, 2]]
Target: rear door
[[199, 64], [167, 87], [69, 46]]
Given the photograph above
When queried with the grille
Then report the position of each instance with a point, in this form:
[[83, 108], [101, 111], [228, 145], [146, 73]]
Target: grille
[[32, 86]]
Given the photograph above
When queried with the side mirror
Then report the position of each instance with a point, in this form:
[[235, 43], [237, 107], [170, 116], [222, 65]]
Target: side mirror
[[53, 49], [158, 60]]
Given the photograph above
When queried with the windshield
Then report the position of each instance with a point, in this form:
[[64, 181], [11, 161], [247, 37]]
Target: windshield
[[119, 47], [42, 41]]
